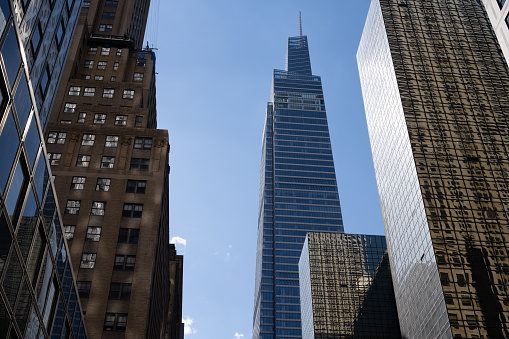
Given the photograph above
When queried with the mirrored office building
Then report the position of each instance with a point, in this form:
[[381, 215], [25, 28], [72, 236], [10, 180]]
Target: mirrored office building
[[38, 294], [346, 287], [435, 88]]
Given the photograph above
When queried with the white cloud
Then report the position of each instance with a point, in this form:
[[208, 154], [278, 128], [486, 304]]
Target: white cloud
[[179, 241], [228, 254], [187, 326], [238, 335]]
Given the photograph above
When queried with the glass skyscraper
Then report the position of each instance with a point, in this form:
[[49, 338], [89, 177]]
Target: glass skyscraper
[[298, 191]]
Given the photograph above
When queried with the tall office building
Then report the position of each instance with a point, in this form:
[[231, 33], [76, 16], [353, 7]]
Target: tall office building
[[38, 294], [434, 82], [498, 12], [346, 287], [298, 191], [111, 167]]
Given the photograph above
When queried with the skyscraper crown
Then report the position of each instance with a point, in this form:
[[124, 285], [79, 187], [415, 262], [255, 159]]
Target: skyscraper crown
[[297, 55]]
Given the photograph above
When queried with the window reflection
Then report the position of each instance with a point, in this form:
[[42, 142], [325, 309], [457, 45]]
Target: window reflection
[[22, 101], [9, 140], [11, 56], [32, 141]]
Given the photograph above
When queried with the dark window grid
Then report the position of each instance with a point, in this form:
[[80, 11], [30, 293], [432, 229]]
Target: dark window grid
[[83, 160], [136, 186], [121, 120], [124, 262], [120, 291], [128, 235], [107, 162], [140, 164], [84, 288], [115, 322], [132, 210], [88, 260], [103, 184], [88, 140], [142, 143]]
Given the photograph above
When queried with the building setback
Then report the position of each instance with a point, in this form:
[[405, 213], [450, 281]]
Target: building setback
[[434, 82], [38, 294], [111, 167], [498, 12], [298, 191], [346, 287]]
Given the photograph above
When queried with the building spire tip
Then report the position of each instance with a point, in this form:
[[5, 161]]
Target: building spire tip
[[300, 24]]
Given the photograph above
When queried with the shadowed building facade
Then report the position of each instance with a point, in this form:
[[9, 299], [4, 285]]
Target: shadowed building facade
[[434, 82], [38, 293], [298, 191], [111, 167], [346, 287]]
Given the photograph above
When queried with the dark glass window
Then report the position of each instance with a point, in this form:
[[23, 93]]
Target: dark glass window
[[59, 35], [138, 121], [143, 143], [115, 322], [124, 262], [5, 241], [11, 55], [140, 164], [132, 210], [128, 235], [17, 190], [41, 176], [44, 84], [120, 291], [113, 4], [36, 39], [84, 288], [136, 186], [22, 101], [103, 184], [9, 140]]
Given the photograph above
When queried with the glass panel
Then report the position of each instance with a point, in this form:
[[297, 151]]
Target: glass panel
[[23, 306], [9, 140], [32, 141], [27, 225], [12, 278], [11, 56], [17, 183], [22, 101], [41, 177], [5, 242], [4, 320]]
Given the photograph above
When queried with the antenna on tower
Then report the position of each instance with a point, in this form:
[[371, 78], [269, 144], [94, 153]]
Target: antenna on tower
[[300, 24]]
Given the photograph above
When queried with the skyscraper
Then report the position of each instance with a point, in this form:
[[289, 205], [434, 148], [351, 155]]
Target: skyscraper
[[346, 287], [111, 173], [498, 12], [38, 295], [298, 191], [435, 87]]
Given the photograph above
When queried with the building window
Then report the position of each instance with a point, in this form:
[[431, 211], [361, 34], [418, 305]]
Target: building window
[[115, 66], [98, 208], [138, 77], [78, 183], [115, 321], [124, 262], [83, 160], [120, 291], [84, 288], [107, 162], [88, 140], [69, 232], [81, 117], [119, 51], [128, 235], [93, 233], [111, 141], [36, 38], [108, 16], [105, 28], [89, 64], [128, 94], [108, 93], [89, 92], [54, 158], [85, 77], [69, 107], [142, 143], [72, 206], [65, 121], [103, 184], [59, 35], [101, 64], [132, 210], [99, 77], [86, 4], [44, 84], [105, 50], [113, 78], [121, 120], [113, 4], [140, 62], [92, 50], [74, 90], [138, 122], [140, 164], [136, 186], [88, 260], [56, 137], [99, 118]]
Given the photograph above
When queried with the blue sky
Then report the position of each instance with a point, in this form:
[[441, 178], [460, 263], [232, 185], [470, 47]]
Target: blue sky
[[214, 64]]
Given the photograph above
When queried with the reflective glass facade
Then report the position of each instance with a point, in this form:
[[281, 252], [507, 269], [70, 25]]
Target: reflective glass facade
[[346, 287], [38, 294], [434, 82], [298, 191]]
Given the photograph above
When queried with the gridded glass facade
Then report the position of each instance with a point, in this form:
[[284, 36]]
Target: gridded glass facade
[[298, 191], [434, 82], [38, 295], [346, 287]]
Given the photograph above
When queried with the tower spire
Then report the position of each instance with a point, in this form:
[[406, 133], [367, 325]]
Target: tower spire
[[300, 24]]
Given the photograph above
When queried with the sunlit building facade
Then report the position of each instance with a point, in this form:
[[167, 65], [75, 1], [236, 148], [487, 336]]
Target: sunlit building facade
[[38, 293], [298, 191], [434, 82], [346, 287]]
